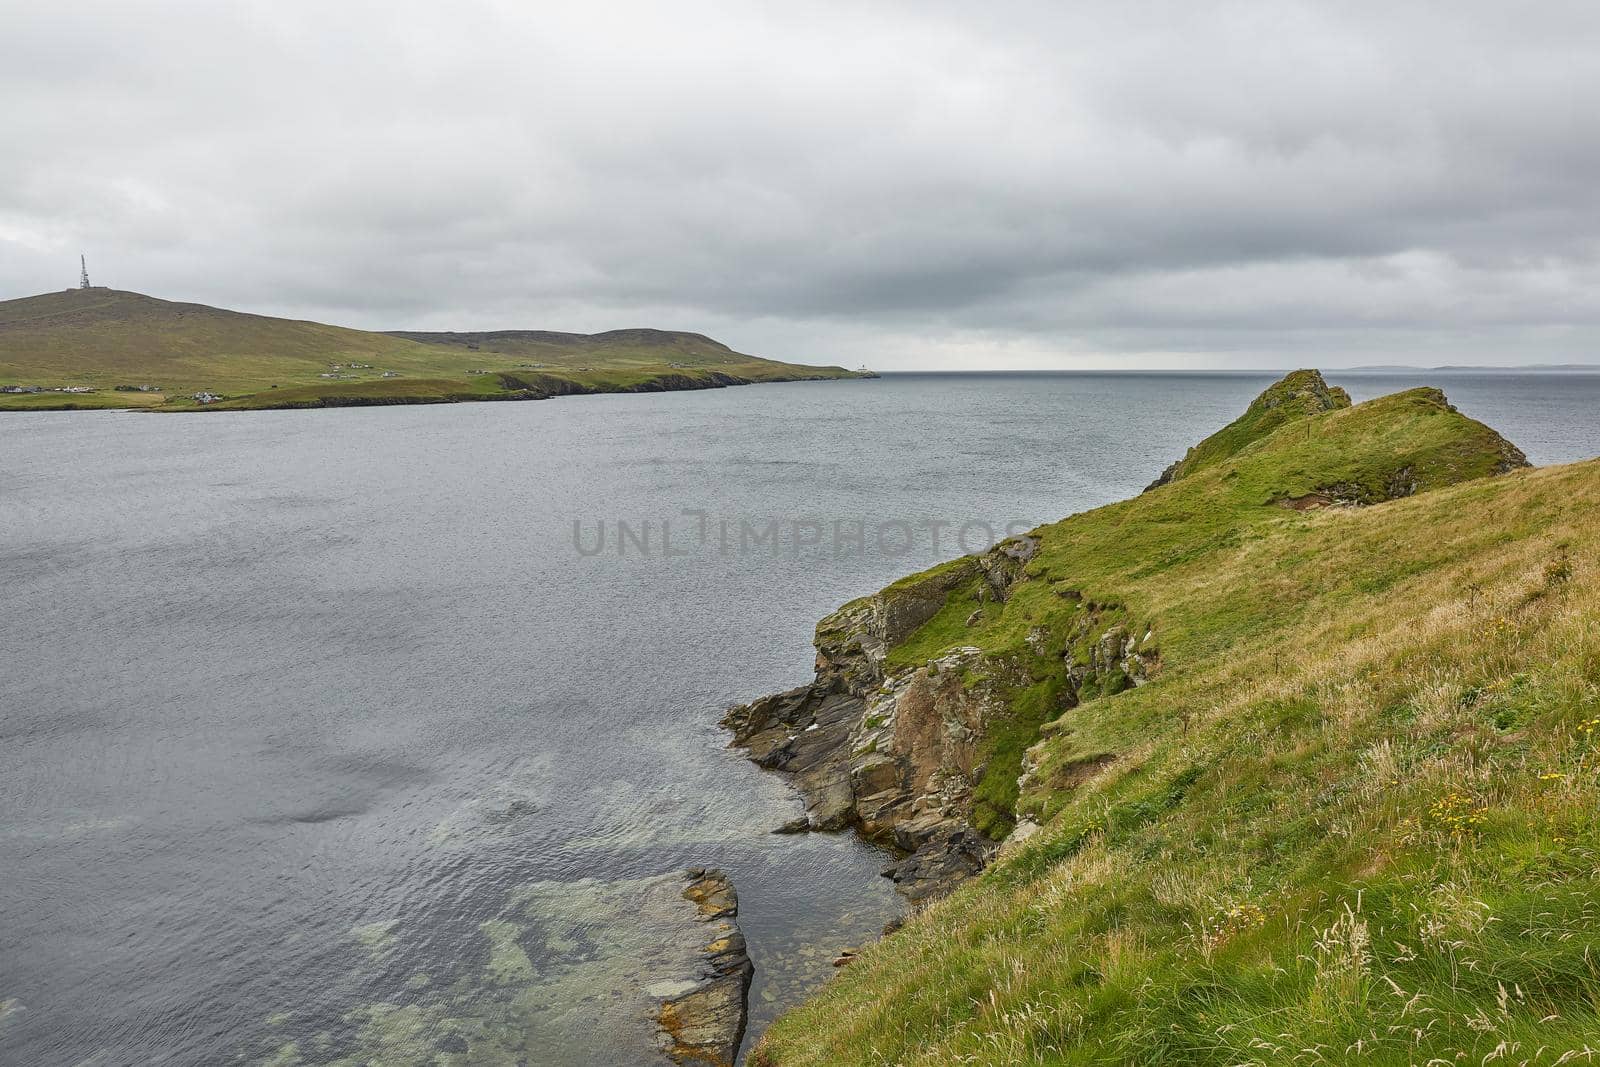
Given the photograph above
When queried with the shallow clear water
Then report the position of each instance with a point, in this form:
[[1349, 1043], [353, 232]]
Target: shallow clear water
[[321, 738]]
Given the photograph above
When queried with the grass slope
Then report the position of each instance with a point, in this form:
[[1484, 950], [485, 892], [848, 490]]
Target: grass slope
[[103, 338], [1295, 396], [1351, 818]]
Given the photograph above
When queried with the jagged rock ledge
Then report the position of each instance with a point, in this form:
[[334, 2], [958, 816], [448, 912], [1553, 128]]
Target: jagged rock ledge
[[705, 1024], [896, 753]]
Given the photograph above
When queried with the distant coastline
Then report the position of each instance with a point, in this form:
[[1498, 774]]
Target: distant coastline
[[1402, 368], [96, 348], [1258, 372]]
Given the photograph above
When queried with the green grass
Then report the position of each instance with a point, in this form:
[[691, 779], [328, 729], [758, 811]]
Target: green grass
[[103, 338], [1297, 395], [96, 401], [1350, 819]]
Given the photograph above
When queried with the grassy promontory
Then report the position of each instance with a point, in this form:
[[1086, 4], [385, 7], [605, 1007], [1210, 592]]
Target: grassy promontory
[[1346, 810], [137, 351]]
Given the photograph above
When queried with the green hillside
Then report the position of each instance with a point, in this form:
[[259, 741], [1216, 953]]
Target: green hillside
[[621, 356], [1299, 394], [1303, 749], [100, 339]]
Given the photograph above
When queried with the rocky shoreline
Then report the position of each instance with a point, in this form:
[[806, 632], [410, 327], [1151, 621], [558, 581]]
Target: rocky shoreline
[[705, 1023], [895, 751]]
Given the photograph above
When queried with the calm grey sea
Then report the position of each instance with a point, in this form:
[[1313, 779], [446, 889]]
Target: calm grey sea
[[323, 740]]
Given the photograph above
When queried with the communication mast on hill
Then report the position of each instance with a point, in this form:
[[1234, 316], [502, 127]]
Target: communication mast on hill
[[83, 275]]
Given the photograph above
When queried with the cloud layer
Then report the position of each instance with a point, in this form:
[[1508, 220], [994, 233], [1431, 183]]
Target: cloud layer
[[919, 184]]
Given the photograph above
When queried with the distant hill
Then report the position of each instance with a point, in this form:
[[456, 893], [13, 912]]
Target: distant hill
[[531, 342], [134, 350], [620, 355]]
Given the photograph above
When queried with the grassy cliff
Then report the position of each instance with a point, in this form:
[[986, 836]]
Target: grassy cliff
[[1343, 811], [105, 338]]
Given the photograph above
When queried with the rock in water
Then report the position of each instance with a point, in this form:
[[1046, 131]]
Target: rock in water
[[705, 1025]]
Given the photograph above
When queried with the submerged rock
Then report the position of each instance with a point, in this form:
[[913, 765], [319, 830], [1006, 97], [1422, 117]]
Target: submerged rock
[[705, 1023]]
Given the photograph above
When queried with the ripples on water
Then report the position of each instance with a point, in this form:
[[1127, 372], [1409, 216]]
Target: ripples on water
[[319, 741]]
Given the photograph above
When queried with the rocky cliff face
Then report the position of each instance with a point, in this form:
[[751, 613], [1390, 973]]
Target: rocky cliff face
[[897, 751]]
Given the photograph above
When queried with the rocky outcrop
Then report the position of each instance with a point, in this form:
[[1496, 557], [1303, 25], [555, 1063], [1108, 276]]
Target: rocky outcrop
[[943, 861], [896, 753], [1116, 659], [705, 1024]]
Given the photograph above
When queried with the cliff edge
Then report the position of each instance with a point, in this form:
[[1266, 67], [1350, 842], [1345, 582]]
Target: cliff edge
[[1291, 759], [927, 695]]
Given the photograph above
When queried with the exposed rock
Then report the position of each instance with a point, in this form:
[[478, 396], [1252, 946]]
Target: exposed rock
[[712, 893], [706, 1024], [1019, 836], [1314, 501], [941, 863], [1511, 458], [897, 756], [805, 732], [898, 763], [1168, 473]]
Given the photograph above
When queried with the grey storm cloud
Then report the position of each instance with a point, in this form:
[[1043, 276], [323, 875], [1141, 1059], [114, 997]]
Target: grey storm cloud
[[918, 184]]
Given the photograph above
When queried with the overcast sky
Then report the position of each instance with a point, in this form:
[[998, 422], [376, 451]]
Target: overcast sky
[[907, 185]]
